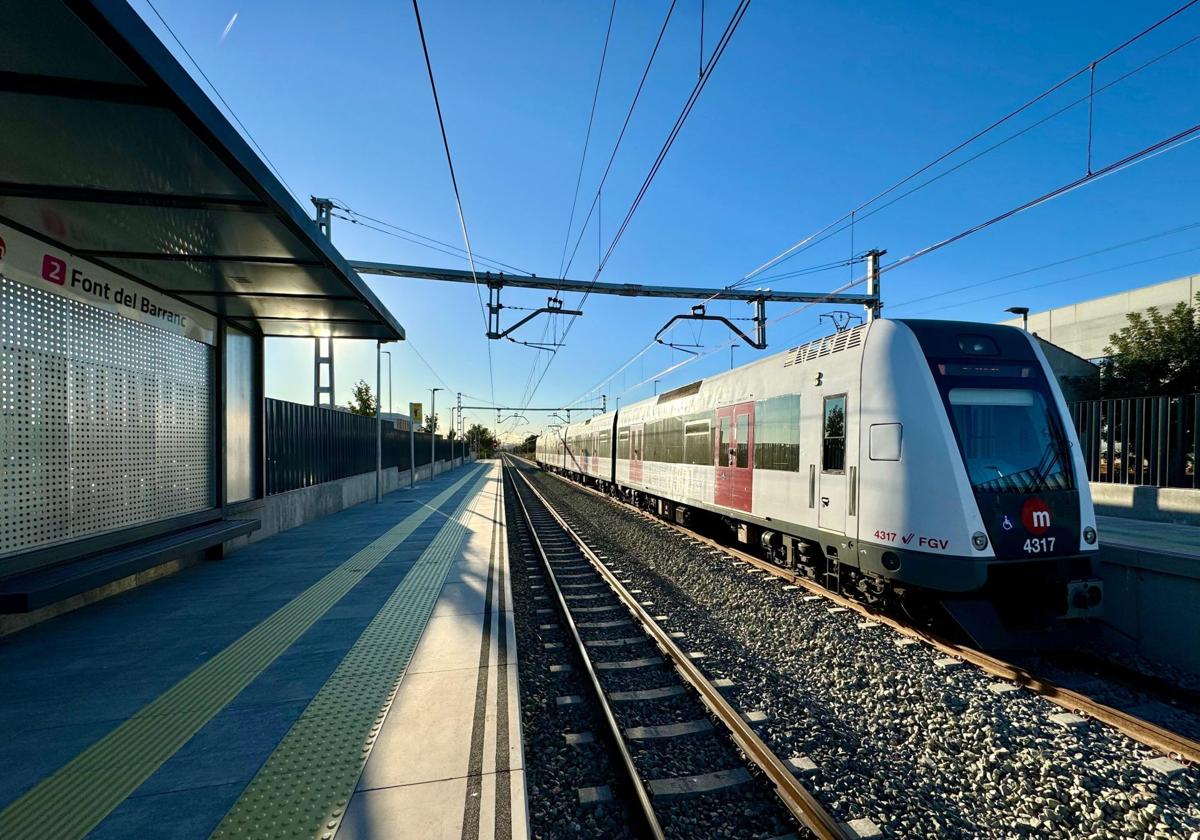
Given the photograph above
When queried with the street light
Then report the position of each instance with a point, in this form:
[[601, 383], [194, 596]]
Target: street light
[[432, 428], [389, 355], [1023, 311]]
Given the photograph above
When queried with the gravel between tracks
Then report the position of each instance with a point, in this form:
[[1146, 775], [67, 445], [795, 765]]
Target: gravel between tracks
[[554, 770], [555, 775], [921, 750]]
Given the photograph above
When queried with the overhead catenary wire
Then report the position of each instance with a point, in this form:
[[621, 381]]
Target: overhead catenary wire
[[857, 211], [621, 134], [848, 222], [1153, 150], [1126, 244], [460, 254], [228, 107], [718, 51], [612, 12], [405, 233], [1169, 144], [603, 180], [1144, 154], [462, 220], [1082, 276]]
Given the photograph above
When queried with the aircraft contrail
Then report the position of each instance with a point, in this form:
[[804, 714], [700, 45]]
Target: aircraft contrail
[[229, 26]]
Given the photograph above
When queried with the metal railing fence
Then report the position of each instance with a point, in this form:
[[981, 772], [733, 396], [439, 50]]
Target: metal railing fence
[[1150, 441], [307, 445]]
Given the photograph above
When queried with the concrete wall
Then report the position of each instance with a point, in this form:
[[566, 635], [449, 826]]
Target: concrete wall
[[1155, 504], [1084, 328], [297, 507], [1150, 605]]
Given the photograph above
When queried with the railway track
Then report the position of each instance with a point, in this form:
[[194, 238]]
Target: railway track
[[660, 721], [1171, 744]]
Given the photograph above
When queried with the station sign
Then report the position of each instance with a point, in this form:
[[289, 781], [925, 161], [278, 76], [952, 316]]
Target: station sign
[[30, 261], [416, 412]]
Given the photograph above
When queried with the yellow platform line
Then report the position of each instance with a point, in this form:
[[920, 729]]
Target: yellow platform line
[[302, 790], [84, 791]]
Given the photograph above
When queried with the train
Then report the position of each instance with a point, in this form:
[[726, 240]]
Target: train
[[929, 466]]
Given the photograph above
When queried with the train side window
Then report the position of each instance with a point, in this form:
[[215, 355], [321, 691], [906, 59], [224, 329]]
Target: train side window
[[743, 440], [833, 443], [623, 445], [885, 441], [697, 443], [777, 433], [723, 443]]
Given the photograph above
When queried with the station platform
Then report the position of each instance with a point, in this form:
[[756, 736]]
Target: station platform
[[355, 677], [1152, 537]]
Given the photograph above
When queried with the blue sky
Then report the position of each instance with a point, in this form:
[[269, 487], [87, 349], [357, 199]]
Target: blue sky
[[814, 108]]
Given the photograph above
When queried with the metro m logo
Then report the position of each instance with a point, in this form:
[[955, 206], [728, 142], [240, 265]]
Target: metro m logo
[[1035, 516]]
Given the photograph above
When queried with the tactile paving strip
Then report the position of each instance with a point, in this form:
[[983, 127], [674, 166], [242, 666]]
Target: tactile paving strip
[[303, 789], [75, 799]]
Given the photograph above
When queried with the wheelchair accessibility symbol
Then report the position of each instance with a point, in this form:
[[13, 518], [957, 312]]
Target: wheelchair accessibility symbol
[[1007, 524]]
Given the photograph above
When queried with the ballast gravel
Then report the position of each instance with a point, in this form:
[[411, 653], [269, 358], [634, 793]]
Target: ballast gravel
[[562, 772], [922, 751], [554, 769]]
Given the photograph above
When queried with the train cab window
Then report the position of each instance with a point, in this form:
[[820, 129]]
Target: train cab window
[[833, 440], [777, 433], [723, 443], [743, 440], [1009, 440]]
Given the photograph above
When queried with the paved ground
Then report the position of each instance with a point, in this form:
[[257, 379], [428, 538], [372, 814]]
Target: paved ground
[[251, 692]]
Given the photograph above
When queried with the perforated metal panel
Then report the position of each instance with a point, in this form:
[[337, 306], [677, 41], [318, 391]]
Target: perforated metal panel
[[106, 422]]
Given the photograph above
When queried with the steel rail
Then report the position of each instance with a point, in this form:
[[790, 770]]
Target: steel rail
[[1143, 731], [617, 742], [802, 804]]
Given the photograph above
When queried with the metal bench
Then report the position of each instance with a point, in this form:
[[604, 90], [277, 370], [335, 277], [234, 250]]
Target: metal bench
[[35, 589]]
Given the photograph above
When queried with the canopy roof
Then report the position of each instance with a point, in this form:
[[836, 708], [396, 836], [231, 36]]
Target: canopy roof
[[110, 150]]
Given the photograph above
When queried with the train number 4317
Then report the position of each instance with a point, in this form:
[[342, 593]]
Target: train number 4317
[[1038, 545]]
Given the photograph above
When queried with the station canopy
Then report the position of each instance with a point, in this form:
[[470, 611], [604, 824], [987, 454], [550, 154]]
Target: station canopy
[[110, 150]]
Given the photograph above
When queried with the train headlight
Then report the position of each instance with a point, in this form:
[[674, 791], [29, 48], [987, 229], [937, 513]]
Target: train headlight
[[1089, 535], [979, 540]]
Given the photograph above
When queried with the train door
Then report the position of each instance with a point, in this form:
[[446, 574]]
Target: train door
[[636, 434], [735, 456], [831, 504]]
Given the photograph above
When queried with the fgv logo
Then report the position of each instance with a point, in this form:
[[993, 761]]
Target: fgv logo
[[1035, 516], [54, 270]]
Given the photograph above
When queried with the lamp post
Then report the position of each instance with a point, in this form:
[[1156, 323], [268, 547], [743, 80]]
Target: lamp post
[[389, 355], [378, 422], [433, 428], [1023, 311]]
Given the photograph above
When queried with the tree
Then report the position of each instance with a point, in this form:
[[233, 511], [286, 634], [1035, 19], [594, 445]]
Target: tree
[[481, 439], [431, 423], [1154, 354], [527, 446], [363, 401]]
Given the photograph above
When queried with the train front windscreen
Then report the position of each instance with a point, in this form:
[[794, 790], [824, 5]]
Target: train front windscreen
[[1016, 453]]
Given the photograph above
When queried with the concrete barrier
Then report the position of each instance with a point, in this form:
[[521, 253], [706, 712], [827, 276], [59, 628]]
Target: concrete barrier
[[1150, 603], [283, 511], [1155, 504]]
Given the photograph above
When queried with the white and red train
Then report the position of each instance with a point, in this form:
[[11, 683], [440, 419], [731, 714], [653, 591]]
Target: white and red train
[[899, 459]]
